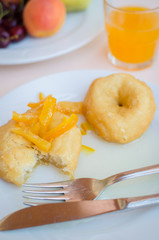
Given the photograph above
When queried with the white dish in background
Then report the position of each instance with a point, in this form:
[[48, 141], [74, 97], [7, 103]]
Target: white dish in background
[[108, 159], [79, 29]]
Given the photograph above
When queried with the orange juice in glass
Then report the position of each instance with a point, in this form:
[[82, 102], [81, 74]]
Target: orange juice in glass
[[133, 32]]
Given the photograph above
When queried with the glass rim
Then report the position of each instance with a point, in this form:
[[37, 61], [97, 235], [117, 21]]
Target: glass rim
[[129, 11]]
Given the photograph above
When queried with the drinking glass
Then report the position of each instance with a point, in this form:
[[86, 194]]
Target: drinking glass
[[132, 28]]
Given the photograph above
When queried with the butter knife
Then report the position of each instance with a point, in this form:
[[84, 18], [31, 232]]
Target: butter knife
[[66, 211]]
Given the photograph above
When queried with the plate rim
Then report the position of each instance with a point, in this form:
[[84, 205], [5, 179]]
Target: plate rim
[[74, 71], [84, 41]]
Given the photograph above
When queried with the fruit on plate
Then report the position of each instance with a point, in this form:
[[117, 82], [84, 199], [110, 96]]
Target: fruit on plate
[[17, 33], [4, 38], [11, 25], [43, 18], [76, 5], [11, 1]]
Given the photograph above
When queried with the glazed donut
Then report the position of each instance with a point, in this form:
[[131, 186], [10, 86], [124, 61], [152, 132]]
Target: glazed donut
[[119, 107]]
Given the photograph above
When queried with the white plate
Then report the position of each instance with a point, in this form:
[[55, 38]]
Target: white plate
[[108, 159], [79, 29]]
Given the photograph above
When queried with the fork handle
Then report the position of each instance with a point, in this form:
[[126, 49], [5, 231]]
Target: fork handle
[[134, 173]]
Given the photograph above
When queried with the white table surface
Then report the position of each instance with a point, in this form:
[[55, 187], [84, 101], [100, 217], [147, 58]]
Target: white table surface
[[91, 56]]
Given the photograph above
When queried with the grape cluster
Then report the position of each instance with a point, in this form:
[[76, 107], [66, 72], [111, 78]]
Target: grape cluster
[[11, 22]]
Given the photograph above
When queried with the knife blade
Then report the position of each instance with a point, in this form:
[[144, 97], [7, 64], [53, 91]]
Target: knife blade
[[67, 211]]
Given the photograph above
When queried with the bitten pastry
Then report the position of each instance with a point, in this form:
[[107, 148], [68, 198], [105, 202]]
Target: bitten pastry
[[119, 107], [18, 156], [65, 149]]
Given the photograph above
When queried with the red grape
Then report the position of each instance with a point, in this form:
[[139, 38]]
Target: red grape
[[17, 33], [11, 24], [8, 23], [14, 8], [4, 38]]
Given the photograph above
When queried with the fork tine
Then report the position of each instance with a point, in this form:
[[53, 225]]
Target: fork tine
[[42, 193], [31, 203], [45, 191], [56, 198], [47, 185]]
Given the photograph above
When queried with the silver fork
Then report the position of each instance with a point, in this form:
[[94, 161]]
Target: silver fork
[[79, 189]]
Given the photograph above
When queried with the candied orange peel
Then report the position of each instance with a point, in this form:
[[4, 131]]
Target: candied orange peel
[[39, 142], [87, 150], [41, 96], [34, 124], [35, 128], [70, 107], [85, 126], [48, 110], [37, 104], [65, 126], [25, 117]]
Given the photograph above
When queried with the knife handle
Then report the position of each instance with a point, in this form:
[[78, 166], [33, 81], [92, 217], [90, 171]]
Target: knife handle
[[142, 201]]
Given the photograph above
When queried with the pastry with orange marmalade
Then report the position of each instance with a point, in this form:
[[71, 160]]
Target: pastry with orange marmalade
[[42, 133]]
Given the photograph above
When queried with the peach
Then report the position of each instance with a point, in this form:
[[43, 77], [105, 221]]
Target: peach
[[43, 18]]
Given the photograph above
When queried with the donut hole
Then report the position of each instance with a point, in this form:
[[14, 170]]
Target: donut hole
[[126, 102], [127, 98], [123, 102], [120, 104]]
